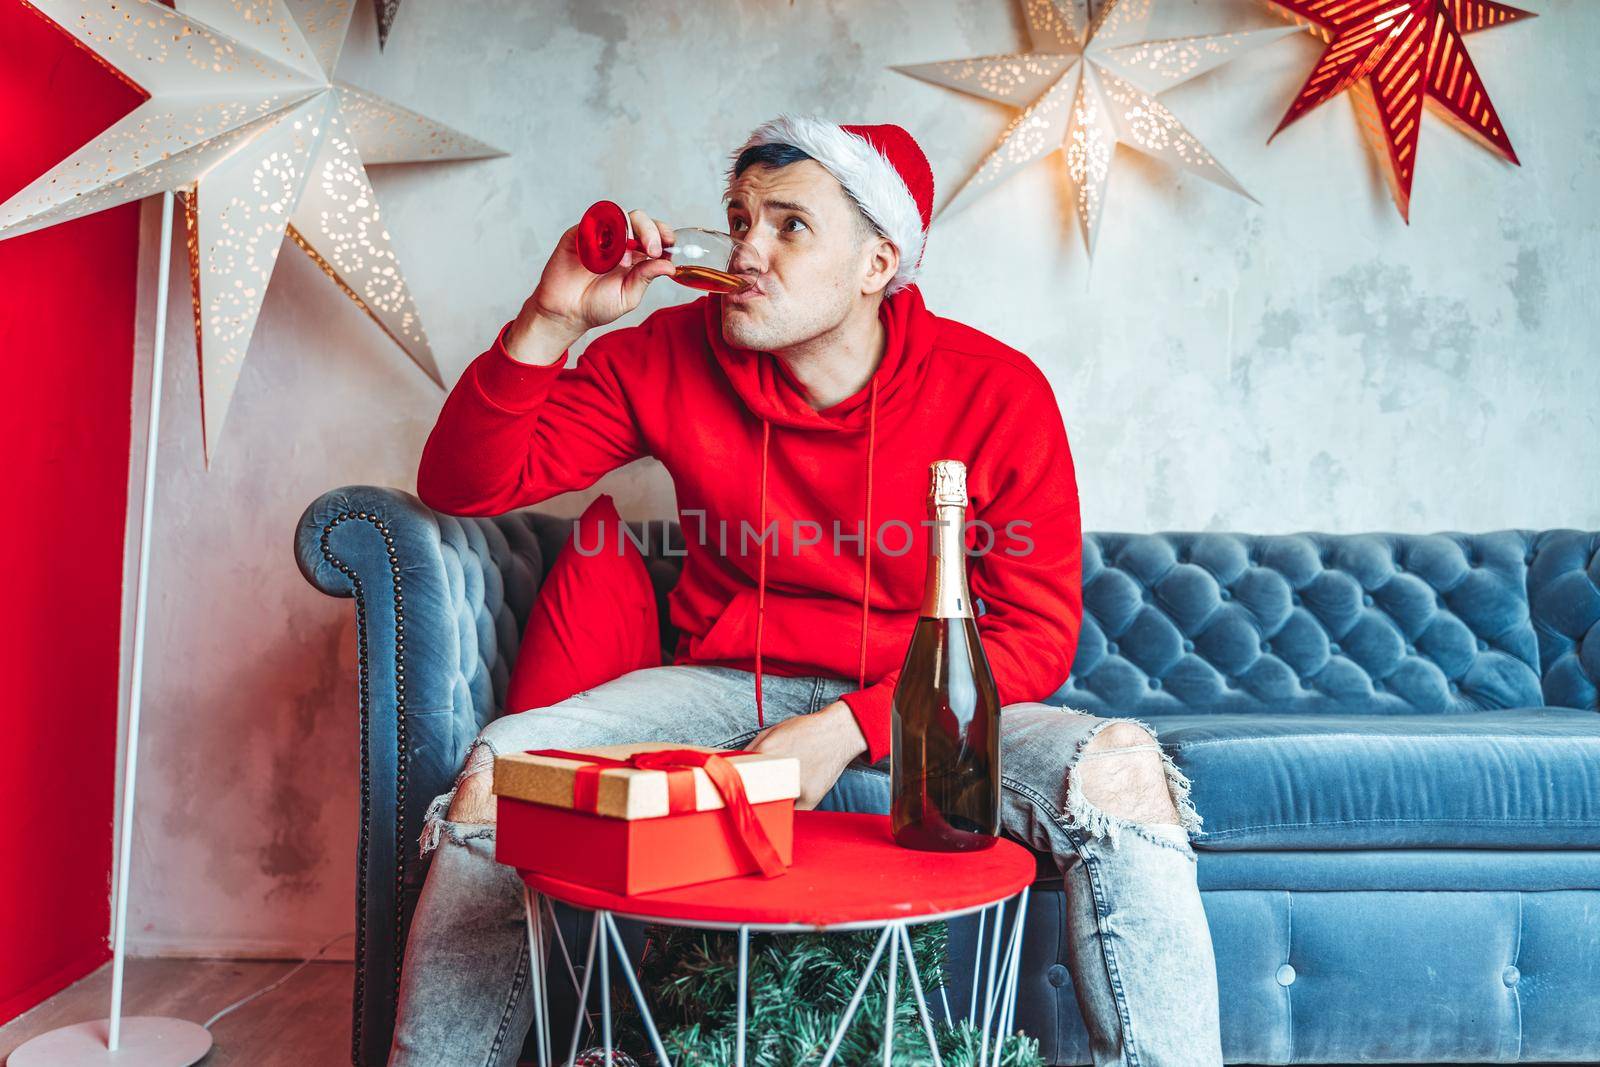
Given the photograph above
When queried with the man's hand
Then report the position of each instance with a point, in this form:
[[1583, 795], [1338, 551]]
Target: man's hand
[[569, 301], [825, 742]]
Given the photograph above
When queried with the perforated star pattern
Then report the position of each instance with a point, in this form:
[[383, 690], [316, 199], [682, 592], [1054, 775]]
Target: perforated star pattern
[[1394, 56], [246, 122], [1088, 84]]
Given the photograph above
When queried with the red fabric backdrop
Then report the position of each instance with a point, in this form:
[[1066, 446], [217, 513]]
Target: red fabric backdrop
[[66, 336]]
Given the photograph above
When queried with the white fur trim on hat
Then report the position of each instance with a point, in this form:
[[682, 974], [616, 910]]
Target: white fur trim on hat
[[869, 178]]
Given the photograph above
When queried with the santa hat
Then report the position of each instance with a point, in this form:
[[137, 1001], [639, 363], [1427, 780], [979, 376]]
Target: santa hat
[[882, 168]]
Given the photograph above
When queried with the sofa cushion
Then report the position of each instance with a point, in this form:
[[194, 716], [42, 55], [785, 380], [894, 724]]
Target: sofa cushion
[[1503, 778], [1400, 870]]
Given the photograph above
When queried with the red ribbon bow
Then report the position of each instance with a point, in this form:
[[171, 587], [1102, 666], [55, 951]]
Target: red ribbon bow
[[679, 764]]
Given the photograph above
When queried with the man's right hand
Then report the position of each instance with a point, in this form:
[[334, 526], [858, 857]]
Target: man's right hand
[[569, 301]]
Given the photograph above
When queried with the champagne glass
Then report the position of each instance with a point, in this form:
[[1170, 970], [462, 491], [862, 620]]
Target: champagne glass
[[702, 258]]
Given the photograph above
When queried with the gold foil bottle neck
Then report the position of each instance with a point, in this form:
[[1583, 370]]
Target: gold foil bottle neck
[[949, 483], [945, 595]]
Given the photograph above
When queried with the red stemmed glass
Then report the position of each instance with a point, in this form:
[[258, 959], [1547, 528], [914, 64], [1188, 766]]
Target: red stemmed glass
[[702, 259]]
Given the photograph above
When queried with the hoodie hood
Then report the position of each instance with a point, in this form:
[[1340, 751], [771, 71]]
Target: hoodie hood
[[771, 393]]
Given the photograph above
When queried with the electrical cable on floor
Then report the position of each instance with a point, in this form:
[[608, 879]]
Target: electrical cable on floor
[[264, 990]]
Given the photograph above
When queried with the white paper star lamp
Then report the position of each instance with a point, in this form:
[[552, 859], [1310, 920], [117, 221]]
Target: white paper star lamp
[[245, 122], [1088, 84]]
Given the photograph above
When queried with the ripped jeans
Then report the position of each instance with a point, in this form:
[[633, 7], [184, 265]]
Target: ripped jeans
[[1139, 947]]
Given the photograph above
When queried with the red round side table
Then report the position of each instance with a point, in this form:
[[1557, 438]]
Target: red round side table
[[848, 874]]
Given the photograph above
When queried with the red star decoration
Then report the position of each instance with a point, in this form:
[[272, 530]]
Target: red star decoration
[[1395, 55]]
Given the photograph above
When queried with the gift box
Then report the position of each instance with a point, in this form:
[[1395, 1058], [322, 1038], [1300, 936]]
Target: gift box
[[639, 818]]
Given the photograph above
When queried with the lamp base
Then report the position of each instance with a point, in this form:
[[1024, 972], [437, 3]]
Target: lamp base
[[146, 1041]]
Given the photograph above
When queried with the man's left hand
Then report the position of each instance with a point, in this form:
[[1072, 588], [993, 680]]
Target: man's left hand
[[824, 742]]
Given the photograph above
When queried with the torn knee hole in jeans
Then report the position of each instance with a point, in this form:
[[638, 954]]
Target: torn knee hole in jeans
[[1103, 824], [480, 757]]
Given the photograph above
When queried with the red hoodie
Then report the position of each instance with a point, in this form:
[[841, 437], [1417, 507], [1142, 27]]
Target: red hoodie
[[745, 450]]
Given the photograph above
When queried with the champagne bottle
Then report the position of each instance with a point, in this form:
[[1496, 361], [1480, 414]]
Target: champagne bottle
[[945, 744]]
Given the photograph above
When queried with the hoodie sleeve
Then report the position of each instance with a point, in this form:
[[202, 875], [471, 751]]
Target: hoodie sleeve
[[1030, 581], [512, 434]]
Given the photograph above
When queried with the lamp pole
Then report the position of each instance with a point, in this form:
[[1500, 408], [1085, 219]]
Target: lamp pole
[[145, 1040]]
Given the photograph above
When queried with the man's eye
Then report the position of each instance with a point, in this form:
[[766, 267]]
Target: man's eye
[[736, 224], [793, 218]]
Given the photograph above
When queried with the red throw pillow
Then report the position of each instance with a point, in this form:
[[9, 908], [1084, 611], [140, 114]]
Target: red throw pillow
[[595, 618]]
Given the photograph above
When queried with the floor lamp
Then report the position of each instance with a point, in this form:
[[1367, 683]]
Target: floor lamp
[[142, 1040]]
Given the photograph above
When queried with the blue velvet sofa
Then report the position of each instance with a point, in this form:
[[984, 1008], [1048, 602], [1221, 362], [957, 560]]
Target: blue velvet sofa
[[1393, 739]]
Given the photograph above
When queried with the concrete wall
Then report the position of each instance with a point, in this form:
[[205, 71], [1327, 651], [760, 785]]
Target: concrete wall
[[1305, 363]]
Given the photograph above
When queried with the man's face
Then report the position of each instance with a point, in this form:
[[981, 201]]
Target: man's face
[[812, 255]]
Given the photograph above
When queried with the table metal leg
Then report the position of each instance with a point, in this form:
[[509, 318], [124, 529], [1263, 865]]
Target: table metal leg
[[888, 1001], [638, 994], [744, 979], [922, 1003], [1009, 979], [559, 938], [1016, 964], [855, 999], [581, 1022], [605, 988], [977, 965], [533, 918], [988, 979]]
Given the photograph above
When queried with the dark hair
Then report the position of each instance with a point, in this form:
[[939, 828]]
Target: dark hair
[[776, 154], [772, 154]]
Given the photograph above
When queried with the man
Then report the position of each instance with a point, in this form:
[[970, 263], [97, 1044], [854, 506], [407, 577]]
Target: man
[[818, 395]]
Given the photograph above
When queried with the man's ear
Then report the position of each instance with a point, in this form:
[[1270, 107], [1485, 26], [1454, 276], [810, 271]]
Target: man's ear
[[882, 263]]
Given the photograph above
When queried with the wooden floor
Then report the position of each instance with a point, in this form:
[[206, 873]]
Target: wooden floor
[[303, 1023]]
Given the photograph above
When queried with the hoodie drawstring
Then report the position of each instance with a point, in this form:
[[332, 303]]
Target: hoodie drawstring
[[866, 581], [761, 568], [761, 565]]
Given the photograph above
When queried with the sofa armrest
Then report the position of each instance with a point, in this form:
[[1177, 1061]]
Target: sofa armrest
[[436, 638], [441, 602]]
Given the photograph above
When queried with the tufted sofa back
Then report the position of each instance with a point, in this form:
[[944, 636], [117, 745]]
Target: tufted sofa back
[[1207, 622], [1564, 594], [1375, 623]]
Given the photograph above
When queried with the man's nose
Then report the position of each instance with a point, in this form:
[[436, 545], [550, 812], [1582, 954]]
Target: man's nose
[[749, 256]]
